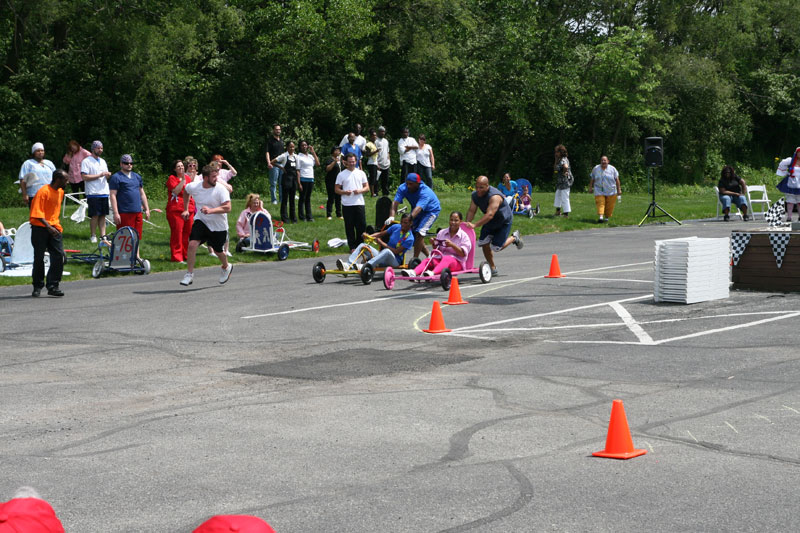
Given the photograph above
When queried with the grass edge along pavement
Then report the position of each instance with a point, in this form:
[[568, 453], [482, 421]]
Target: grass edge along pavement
[[684, 203]]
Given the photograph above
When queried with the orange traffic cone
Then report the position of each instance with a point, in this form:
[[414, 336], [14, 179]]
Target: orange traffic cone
[[555, 270], [437, 321], [619, 444], [454, 298]]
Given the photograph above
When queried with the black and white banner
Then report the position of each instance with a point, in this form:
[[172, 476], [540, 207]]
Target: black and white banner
[[779, 242]]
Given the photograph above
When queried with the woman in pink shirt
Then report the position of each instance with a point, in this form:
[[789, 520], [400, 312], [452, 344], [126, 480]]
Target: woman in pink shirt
[[75, 154], [253, 206], [454, 246]]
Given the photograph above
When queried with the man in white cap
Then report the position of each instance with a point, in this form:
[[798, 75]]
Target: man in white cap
[[35, 173], [94, 171]]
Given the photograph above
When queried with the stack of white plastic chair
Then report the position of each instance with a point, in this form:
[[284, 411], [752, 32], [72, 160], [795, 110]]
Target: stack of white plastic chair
[[692, 270]]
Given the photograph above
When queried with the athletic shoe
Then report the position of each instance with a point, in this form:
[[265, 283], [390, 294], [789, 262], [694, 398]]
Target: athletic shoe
[[274, 202], [329, 218], [36, 293], [211, 252], [340, 218], [427, 274], [494, 272], [358, 266], [746, 218], [726, 218], [93, 239], [226, 273], [600, 220], [517, 240], [55, 291], [341, 265], [187, 279], [228, 253]]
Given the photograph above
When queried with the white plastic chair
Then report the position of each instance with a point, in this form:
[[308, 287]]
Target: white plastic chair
[[719, 205], [763, 199]]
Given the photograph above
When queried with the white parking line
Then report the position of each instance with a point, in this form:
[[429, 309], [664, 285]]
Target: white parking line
[[629, 321]]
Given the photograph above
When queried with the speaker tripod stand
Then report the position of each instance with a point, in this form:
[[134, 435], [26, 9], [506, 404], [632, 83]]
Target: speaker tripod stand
[[651, 209]]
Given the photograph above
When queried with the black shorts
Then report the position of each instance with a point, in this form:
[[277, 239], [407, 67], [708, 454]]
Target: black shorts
[[98, 205], [215, 239]]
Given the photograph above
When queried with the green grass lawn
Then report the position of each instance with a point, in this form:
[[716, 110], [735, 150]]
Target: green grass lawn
[[683, 203]]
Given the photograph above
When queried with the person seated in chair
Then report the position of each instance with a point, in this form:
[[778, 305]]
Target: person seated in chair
[[253, 205], [732, 189], [394, 241], [454, 246]]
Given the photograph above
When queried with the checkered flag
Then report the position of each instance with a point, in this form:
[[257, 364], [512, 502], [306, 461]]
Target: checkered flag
[[776, 213], [779, 242], [739, 242]]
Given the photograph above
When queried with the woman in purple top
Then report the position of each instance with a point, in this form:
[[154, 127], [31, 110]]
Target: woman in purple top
[[454, 246], [75, 154]]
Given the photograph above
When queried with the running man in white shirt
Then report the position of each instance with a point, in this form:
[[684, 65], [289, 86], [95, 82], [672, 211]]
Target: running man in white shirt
[[213, 203]]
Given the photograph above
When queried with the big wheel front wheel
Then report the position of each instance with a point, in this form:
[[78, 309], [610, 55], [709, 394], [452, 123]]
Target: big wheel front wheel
[[388, 278], [485, 272], [318, 272]]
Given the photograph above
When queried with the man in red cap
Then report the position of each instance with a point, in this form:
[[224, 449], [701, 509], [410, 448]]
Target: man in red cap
[[230, 523], [27, 512]]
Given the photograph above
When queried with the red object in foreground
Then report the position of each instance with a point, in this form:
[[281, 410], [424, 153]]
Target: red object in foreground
[[454, 298], [437, 320], [30, 515], [555, 269], [619, 444], [237, 523]]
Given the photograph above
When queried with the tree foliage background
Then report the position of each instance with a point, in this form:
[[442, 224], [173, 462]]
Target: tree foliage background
[[495, 84]]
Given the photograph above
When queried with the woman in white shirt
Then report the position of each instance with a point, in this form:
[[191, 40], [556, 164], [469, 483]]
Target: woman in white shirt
[[306, 161], [425, 161], [605, 185]]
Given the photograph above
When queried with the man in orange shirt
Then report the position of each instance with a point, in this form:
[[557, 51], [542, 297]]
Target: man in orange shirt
[[46, 235]]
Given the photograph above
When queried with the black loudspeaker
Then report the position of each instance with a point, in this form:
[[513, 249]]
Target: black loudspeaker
[[653, 152]]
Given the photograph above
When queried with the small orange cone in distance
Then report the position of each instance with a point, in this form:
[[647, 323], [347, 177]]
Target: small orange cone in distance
[[619, 444], [437, 321], [454, 298], [555, 270]]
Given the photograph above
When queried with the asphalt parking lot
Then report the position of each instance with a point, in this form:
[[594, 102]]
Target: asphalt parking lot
[[134, 404]]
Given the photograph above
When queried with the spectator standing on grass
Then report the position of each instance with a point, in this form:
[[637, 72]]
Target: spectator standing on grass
[[290, 182], [211, 222], [384, 161], [789, 169], [128, 198], [35, 173], [274, 149], [359, 139], [352, 147], [426, 163], [191, 167], [604, 183], [46, 235], [351, 184], [732, 190], [73, 159], [306, 161], [179, 228], [95, 174], [333, 165], [495, 223], [225, 174], [371, 153], [564, 181], [407, 148]]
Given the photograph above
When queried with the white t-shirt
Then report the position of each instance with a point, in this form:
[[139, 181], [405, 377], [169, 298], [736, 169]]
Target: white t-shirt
[[410, 156], [352, 181], [211, 198], [360, 142], [305, 166], [92, 165], [605, 181], [383, 153], [424, 155]]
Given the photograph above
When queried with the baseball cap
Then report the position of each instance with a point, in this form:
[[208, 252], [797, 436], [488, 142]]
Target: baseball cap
[[414, 177], [231, 523], [30, 515], [126, 159]]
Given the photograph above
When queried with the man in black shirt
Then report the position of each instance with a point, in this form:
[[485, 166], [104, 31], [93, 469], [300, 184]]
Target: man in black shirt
[[274, 149]]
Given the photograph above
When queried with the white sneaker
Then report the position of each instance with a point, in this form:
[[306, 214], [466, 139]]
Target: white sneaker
[[187, 279], [274, 202], [93, 239], [341, 265], [427, 274], [226, 273], [228, 253], [517, 240], [358, 266]]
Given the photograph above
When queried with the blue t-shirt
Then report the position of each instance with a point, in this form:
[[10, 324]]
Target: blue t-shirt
[[128, 198], [351, 149], [424, 198], [396, 235], [508, 192]]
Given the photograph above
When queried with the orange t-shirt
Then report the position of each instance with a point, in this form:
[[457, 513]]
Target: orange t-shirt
[[47, 205]]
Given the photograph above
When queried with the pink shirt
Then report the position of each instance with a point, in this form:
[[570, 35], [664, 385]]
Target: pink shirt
[[461, 240], [225, 175], [74, 162], [243, 224]]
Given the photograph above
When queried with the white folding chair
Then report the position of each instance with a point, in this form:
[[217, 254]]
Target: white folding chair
[[719, 204], [761, 199]]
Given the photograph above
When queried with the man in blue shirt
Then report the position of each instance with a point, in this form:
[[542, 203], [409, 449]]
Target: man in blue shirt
[[394, 241], [128, 197], [425, 209], [352, 147]]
